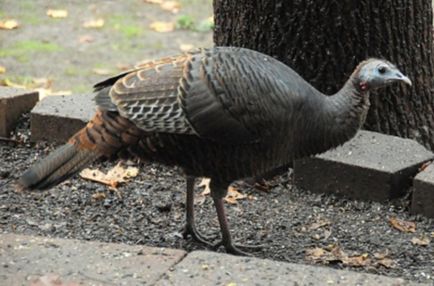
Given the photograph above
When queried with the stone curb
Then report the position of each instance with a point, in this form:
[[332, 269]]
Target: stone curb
[[423, 192], [27, 259], [372, 166], [13, 103], [56, 118]]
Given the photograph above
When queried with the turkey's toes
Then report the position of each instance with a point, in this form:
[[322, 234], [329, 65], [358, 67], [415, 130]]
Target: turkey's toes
[[196, 235], [235, 248]]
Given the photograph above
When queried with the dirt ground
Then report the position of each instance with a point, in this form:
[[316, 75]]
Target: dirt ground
[[149, 210]]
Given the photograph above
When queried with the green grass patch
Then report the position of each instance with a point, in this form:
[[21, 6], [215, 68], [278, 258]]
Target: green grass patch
[[128, 27], [185, 22], [22, 50]]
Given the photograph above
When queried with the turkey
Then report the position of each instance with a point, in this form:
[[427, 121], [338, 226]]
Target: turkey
[[225, 113]]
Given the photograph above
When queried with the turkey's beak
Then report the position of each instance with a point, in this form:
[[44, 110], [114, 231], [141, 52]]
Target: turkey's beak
[[400, 77]]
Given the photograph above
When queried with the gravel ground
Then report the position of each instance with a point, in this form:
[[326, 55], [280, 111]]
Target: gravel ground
[[150, 210]]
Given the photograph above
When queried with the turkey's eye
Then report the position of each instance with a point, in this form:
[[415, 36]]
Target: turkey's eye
[[382, 70]]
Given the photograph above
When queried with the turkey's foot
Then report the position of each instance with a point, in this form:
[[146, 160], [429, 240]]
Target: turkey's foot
[[236, 248], [191, 230]]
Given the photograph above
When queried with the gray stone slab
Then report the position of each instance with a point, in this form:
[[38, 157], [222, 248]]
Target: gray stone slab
[[13, 103], [56, 118], [24, 259], [422, 201], [372, 166], [208, 268]]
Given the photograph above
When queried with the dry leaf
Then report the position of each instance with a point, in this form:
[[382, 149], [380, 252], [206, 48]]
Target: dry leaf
[[98, 196], [424, 241], [85, 39], [172, 6], [186, 47], [96, 23], [233, 196], [2, 69], [113, 178], [102, 71], [357, 261], [57, 13], [315, 254], [336, 254], [318, 224], [205, 183], [8, 82], [153, 1], [386, 262], [402, 225], [9, 24], [162, 27]]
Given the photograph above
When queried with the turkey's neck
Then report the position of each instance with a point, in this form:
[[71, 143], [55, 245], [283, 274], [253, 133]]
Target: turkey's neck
[[347, 112], [341, 116]]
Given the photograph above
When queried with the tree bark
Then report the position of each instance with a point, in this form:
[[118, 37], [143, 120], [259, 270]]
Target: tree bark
[[324, 41]]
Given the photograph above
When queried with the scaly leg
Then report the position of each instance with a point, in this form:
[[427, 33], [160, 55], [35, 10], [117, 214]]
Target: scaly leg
[[226, 236], [190, 227]]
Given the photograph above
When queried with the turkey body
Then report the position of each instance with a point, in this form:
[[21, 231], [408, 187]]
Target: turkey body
[[225, 113]]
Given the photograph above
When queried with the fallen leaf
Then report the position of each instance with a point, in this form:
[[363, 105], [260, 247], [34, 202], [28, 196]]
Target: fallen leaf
[[10, 83], [85, 39], [318, 224], [186, 47], [336, 254], [162, 27], [205, 184], [2, 69], [432, 234], [95, 23], [153, 1], [357, 261], [99, 196], [231, 284], [386, 262], [233, 196], [315, 254], [402, 225], [59, 13], [424, 241], [113, 178], [102, 71], [9, 24], [172, 6]]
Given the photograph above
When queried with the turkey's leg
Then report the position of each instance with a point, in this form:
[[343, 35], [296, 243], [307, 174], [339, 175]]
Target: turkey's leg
[[190, 227], [226, 235]]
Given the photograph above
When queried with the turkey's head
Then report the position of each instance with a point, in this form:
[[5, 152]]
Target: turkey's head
[[375, 73]]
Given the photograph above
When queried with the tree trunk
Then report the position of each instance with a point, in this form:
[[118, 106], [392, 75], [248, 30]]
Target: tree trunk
[[324, 41]]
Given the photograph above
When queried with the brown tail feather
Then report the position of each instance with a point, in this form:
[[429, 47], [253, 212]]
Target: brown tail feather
[[104, 136], [62, 163]]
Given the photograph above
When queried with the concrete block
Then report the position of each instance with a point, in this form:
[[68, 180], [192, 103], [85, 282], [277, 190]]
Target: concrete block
[[56, 118], [209, 268], [25, 259], [372, 166], [422, 201], [13, 103]]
